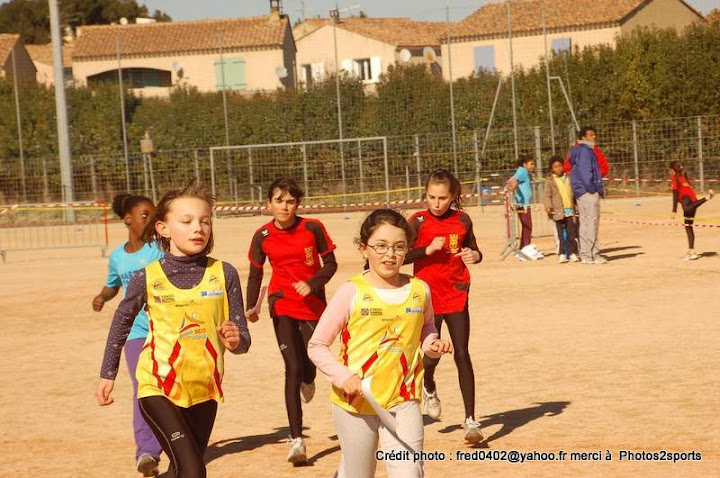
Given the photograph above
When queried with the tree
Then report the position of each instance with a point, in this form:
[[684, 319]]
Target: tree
[[31, 19]]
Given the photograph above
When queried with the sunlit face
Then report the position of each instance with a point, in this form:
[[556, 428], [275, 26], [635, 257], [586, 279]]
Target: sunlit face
[[530, 165], [137, 218], [439, 198], [283, 207], [590, 136], [188, 226], [385, 253], [557, 168]]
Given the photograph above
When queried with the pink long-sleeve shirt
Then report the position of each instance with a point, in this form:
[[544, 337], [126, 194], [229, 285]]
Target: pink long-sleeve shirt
[[337, 314]]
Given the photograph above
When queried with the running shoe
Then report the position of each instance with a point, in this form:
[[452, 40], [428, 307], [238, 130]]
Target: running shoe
[[473, 433], [710, 194], [307, 391], [574, 258], [297, 453], [431, 403], [562, 259], [147, 465]]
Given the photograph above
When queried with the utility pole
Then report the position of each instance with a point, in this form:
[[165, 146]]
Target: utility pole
[[452, 96], [512, 79], [547, 79]]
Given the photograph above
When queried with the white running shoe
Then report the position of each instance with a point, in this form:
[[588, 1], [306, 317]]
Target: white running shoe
[[600, 260], [710, 194], [521, 257], [307, 391], [147, 465], [431, 403], [473, 433], [574, 258], [562, 259], [297, 453]]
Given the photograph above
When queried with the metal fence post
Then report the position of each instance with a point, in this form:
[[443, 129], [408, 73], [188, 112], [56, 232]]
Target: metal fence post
[[538, 152], [362, 177], [635, 157], [152, 178], [252, 180], [419, 167], [701, 165], [93, 179], [46, 191], [407, 181], [145, 173], [387, 172], [478, 180], [213, 186], [305, 170], [197, 167]]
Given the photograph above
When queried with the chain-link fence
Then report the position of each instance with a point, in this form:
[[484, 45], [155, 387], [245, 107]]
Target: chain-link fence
[[378, 169]]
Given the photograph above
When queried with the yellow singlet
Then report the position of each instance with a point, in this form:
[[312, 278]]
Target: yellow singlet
[[183, 357], [382, 341]]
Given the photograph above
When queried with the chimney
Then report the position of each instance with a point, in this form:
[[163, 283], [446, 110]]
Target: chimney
[[275, 7]]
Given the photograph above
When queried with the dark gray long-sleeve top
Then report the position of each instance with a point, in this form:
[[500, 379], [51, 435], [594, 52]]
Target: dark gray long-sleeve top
[[184, 273]]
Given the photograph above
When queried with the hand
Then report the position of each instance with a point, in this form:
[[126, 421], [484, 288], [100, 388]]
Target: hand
[[229, 335], [436, 244], [468, 256], [441, 346], [549, 210], [102, 394], [97, 303], [251, 316], [353, 386], [302, 288]]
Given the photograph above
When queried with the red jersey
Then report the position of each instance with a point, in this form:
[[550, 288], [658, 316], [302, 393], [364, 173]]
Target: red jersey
[[603, 164], [683, 188], [294, 255], [446, 274]]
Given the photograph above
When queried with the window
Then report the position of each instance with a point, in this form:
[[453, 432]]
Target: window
[[136, 78], [311, 73], [230, 74], [363, 69], [484, 59], [306, 76], [560, 45]]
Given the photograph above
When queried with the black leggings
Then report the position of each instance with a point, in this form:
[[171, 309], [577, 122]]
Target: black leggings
[[689, 210], [458, 324], [183, 433], [293, 336]]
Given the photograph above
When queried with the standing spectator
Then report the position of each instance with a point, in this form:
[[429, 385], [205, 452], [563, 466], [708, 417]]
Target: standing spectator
[[603, 163], [588, 188]]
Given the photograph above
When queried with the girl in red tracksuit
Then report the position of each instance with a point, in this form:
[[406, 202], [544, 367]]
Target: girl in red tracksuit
[[684, 194], [444, 248]]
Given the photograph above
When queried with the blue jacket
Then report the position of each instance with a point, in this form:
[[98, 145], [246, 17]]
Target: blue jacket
[[585, 175]]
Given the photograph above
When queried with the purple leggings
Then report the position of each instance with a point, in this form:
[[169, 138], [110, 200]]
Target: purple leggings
[[145, 441], [525, 216]]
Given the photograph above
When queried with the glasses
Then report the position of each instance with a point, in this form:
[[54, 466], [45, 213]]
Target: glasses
[[382, 249]]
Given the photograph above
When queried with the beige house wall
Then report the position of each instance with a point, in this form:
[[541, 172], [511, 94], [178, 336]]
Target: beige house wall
[[528, 51], [198, 70], [317, 47], [23, 62], [662, 14]]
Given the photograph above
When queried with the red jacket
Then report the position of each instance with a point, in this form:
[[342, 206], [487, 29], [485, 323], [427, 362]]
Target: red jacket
[[603, 164]]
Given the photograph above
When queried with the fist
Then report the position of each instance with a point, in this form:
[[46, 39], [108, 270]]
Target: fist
[[436, 244], [97, 303], [229, 335], [441, 347], [353, 386]]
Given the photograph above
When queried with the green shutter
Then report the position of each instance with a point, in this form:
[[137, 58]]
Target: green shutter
[[234, 74]]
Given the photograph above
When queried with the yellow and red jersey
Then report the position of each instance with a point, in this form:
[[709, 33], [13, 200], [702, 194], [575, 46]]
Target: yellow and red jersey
[[183, 356]]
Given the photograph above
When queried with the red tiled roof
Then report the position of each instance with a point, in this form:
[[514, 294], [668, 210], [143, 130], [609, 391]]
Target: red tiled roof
[[43, 54], [158, 39], [401, 32], [7, 43], [492, 19]]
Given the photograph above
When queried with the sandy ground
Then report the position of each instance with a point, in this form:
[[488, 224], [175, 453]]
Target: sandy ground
[[568, 357]]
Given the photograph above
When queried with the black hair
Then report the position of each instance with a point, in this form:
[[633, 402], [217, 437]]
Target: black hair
[[376, 219], [523, 159], [584, 131], [555, 159], [679, 169], [193, 190], [288, 186], [123, 203], [443, 176]]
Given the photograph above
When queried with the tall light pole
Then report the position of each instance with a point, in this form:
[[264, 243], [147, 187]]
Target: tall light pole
[[66, 181], [452, 96], [121, 88], [19, 126], [512, 78], [547, 79]]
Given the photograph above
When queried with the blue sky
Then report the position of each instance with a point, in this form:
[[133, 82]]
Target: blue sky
[[417, 9]]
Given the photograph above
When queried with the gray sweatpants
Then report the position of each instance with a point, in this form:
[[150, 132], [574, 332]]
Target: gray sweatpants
[[358, 435], [589, 211]]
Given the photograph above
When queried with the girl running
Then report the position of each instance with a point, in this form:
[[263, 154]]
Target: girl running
[[444, 248], [384, 319], [295, 246], [125, 260], [559, 203], [683, 193], [195, 310]]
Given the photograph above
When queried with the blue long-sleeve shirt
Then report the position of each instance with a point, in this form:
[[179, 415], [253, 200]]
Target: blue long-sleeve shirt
[[585, 175]]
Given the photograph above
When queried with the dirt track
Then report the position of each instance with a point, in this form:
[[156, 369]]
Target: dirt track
[[567, 357]]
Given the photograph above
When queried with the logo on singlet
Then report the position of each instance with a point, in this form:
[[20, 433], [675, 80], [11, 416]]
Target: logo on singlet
[[454, 242], [265, 233], [213, 279], [309, 256], [413, 310], [158, 285], [371, 311], [367, 298], [164, 299], [421, 218], [211, 293]]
